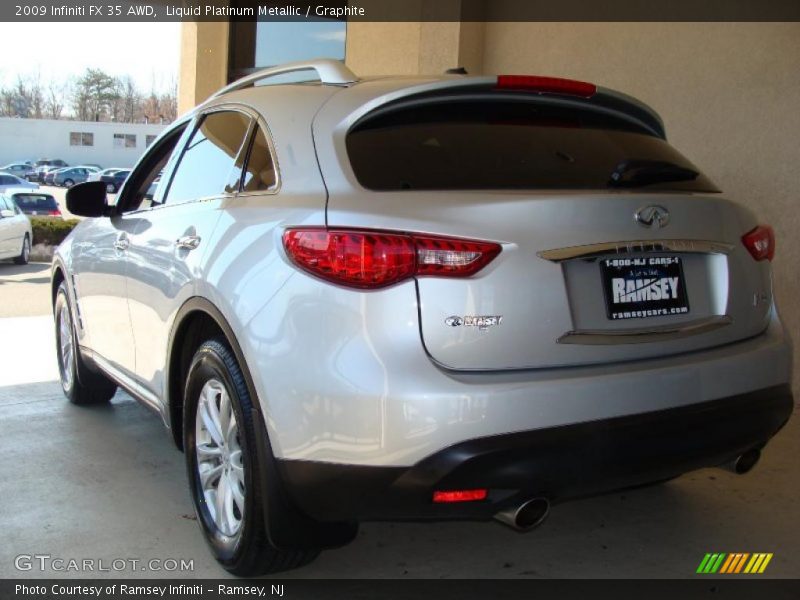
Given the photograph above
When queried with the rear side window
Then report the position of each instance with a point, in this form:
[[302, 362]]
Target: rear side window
[[502, 144], [207, 164], [35, 202], [259, 172]]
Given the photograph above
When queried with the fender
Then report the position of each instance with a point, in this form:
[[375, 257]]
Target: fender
[[286, 526]]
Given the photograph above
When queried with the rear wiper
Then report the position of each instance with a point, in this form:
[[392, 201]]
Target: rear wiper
[[639, 172]]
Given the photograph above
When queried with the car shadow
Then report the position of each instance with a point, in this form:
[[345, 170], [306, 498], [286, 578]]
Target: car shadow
[[9, 269]]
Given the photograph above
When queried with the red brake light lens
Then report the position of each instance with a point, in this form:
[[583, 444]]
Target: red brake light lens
[[54, 213], [440, 496], [375, 259], [549, 85], [760, 242]]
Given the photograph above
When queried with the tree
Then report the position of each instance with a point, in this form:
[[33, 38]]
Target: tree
[[95, 95], [54, 99]]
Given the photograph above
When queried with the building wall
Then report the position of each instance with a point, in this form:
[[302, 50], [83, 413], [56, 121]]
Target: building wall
[[31, 139]]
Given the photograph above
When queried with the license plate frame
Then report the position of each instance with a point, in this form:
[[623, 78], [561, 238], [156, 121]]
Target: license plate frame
[[641, 287]]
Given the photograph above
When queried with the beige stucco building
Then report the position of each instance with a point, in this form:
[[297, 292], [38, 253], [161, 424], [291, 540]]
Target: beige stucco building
[[726, 91]]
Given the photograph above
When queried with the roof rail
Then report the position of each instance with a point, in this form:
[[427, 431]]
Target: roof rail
[[329, 71]]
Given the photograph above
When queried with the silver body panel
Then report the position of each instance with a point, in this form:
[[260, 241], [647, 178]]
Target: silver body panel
[[378, 378]]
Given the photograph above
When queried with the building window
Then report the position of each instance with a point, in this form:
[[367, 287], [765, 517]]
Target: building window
[[149, 139], [260, 44], [77, 138], [124, 140]]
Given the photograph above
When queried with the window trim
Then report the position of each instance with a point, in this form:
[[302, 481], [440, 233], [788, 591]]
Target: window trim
[[244, 152], [260, 123]]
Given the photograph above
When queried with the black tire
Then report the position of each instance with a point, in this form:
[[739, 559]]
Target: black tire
[[25, 253], [80, 384], [68, 183], [111, 188], [248, 552]]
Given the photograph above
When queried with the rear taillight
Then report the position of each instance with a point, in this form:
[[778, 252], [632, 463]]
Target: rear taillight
[[446, 496], [374, 259], [547, 85], [54, 213], [760, 242]]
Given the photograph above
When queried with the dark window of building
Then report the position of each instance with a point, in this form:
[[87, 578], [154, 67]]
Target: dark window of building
[[124, 140], [149, 139], [260, 44], [77, 138]]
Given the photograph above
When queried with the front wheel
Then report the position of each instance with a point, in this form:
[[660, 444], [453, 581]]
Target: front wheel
[[25, 254], [223, 466], [111, 188], [79, 384], [68, 183]]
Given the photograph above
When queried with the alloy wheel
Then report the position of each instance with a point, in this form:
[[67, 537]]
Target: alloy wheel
[[66, 346], [219, 458]]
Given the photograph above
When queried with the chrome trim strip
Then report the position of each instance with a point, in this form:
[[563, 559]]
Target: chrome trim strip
[[634, 247], [604, 337], [124, 381]]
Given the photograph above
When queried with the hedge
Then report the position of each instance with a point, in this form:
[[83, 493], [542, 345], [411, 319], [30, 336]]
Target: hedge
[[51, 231]]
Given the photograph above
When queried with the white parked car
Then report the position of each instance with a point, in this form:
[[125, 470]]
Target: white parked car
[[15, 232], [7, 180]]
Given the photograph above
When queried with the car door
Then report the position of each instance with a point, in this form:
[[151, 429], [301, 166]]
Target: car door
[[7, 229], [175, 226]]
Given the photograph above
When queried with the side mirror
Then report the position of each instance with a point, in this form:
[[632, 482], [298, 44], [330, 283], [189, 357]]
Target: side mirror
[[88, 199], [6, 214]]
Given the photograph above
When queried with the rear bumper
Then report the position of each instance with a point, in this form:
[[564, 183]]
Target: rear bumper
[[558, 462]]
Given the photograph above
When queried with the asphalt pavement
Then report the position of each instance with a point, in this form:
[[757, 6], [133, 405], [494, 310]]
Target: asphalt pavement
[[106, 483]]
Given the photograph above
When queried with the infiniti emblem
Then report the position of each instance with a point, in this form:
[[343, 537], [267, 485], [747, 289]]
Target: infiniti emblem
[[652, 216]]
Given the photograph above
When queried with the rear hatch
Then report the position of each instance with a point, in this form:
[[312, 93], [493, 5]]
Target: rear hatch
[[615, 246]]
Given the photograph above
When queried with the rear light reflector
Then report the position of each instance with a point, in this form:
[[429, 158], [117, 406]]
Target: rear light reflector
[[760, 242], [54, 213], [548, 85], [440, 496], [374, 259]]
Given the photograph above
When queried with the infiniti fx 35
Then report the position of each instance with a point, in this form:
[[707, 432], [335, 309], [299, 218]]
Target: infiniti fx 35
[[426, 298]]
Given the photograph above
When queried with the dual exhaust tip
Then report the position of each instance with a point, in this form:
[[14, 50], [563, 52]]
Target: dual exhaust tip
[[532, 513]]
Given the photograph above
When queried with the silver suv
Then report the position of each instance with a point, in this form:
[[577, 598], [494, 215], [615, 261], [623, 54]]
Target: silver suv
[[420, 298]]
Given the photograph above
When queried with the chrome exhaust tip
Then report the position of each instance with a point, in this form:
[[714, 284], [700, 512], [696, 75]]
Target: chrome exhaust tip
[[528, 515], [744, 463]]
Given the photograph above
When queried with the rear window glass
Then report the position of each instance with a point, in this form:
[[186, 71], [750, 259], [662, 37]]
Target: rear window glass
[[513, 145], [35, 201]]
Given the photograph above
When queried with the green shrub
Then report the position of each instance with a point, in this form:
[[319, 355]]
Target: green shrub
[[51, 231]]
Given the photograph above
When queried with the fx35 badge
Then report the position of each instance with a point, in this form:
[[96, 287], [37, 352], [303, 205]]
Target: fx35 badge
[[482, 322]]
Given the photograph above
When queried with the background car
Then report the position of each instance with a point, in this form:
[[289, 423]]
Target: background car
[[15, 232], [115, 180], [33, 203], [47, 162], [98, 174], [12, 181], [19, 169], [69, 176]]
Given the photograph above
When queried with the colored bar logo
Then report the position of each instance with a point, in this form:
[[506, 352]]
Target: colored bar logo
[[734, 563]]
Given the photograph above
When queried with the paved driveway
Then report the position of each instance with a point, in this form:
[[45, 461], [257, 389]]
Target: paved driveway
[[106, 483]]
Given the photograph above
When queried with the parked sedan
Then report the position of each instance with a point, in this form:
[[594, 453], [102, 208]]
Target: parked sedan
[[19, 169], [115, 180], [69, 176], [12, 181], [33, 203], [431, 299], [15, 232]]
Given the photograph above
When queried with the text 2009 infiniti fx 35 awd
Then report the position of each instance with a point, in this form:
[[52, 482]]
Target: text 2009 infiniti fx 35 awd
[[420, 298]]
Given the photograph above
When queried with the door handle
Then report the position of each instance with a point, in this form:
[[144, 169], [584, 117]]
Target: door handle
[[122, 243], [188, 242]]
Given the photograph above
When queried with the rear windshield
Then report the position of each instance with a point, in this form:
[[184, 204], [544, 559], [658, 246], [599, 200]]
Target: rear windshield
[[35, 201], [513, 145]]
